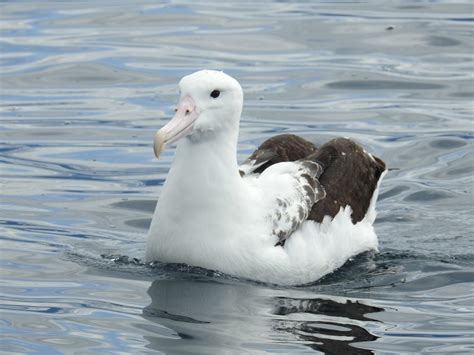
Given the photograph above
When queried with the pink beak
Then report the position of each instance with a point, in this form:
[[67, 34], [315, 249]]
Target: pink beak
[[180, 125]]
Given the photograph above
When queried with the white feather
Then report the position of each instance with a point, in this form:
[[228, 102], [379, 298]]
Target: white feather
[[208, 216]]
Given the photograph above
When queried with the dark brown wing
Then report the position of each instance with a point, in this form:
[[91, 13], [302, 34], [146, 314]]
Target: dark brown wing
[[284, 147], [350, 173], [350, 177]]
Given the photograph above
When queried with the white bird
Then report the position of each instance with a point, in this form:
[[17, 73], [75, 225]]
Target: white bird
[[293, 212]]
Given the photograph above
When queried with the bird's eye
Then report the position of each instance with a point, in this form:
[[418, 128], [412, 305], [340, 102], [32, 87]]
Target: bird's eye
[[215, 94]]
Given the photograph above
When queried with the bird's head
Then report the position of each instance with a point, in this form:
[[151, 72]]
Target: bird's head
[[210, 102]]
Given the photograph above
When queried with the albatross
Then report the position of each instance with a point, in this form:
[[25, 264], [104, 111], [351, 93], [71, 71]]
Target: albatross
[[290, 214]]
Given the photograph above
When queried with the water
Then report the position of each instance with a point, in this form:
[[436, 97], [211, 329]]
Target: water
[[84, 87]]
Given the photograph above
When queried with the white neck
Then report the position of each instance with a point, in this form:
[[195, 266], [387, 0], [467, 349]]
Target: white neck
[[209, 162], [204, 179], [203, 186]]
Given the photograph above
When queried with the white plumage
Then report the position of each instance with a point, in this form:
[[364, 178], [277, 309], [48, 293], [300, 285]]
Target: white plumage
[[210, 216]]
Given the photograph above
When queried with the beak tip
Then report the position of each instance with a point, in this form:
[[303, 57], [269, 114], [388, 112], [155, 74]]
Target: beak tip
[[158, 143]]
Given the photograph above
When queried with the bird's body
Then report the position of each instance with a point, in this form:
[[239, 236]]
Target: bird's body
[[261, 222]]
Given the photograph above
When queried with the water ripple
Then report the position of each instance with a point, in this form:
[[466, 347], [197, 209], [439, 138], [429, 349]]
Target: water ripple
[[85, 86]]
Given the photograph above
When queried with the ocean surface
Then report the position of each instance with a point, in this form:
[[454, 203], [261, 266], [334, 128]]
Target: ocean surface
[[84, 86]]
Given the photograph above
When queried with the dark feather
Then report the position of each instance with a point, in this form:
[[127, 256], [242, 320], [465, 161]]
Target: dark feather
[[350, 177], [349, 174], [284, 147]]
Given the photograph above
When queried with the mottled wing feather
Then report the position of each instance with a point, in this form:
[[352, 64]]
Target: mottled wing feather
[[292, 205], [346, 175]]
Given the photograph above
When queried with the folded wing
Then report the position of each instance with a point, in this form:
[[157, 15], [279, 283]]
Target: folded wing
[[304, 182]]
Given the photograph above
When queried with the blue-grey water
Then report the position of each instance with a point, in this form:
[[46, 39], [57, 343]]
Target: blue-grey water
[[84, 86]]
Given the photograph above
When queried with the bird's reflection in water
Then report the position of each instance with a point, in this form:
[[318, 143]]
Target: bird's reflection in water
[[335, 330], [209, 316]]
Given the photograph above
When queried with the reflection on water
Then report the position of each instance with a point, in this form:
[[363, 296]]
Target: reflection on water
[[260, 318], [332, 331], [85, 85]]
